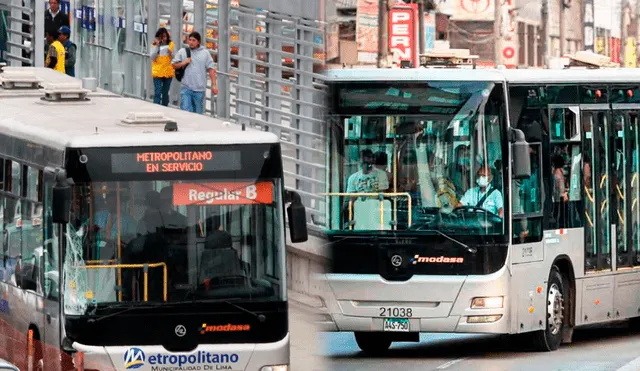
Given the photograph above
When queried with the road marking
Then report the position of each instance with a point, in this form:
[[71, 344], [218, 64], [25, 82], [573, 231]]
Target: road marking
[[451, 363], [634, 365]]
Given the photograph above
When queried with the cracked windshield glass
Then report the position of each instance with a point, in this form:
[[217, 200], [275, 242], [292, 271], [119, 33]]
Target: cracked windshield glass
[[422, 156]]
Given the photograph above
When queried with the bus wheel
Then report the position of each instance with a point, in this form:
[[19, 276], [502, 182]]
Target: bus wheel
[[551, 337], [35, 361], [372, 342]]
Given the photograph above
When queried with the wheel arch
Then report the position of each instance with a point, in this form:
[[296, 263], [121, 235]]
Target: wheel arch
[[565, 266]]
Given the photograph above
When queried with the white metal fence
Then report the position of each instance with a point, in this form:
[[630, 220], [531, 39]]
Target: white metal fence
[[268, 53]]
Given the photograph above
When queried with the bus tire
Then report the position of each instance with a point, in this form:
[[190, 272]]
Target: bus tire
[[550, 338], [372, 342]]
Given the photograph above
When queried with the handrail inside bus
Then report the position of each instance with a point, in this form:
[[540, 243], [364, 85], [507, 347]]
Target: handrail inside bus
[[380, 196], [145, 267]]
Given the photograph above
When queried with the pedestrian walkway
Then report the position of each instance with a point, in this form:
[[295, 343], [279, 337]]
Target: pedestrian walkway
[[305, 345]]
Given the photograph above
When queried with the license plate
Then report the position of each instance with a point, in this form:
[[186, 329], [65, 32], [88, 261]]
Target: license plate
[[396, 325]]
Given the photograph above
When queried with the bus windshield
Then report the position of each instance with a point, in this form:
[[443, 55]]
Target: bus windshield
[[425, 157], [174, 237]]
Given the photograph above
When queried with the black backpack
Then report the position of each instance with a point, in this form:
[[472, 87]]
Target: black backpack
[[180, 71]]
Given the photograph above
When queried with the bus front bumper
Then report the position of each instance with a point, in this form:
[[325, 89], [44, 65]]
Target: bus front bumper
[[229, 357], [367, 303]]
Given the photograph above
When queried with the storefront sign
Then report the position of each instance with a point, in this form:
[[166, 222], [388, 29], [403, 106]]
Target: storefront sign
[[402, 33]]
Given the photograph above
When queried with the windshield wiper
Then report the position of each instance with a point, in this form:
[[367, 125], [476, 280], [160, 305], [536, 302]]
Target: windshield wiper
[[470, 249], [260, 317], [129, 309]]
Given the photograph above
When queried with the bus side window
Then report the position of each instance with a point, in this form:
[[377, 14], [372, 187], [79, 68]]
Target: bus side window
[[566, 209], [527, 202], [31, 228]]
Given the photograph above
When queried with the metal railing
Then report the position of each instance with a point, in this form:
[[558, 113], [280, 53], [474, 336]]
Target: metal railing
[[145, 267], [268, 76], [24, 26], [381, 196]]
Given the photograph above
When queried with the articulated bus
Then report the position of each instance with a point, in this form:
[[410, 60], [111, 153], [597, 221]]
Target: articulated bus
[[137, 236], [481, 201]]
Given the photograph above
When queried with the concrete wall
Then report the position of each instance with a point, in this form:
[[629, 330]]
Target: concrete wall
[[303, 261]]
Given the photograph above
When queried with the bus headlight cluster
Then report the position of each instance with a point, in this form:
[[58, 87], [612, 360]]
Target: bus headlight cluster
[[275, 368], [491, 302]]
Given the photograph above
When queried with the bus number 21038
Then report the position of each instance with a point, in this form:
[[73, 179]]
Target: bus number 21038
[[395, 312]]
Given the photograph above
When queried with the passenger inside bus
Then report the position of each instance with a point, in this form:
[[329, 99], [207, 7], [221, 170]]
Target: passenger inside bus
[[484, 196], [381, 162], [461, 172], [445, 190], [560, 194], [219, 261], [106, 219], [369, 178]]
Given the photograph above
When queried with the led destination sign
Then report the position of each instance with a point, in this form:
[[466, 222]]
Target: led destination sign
[[237, 193], [175, 161]]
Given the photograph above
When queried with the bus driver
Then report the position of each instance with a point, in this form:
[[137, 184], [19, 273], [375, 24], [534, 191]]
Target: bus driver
[[484, 196]]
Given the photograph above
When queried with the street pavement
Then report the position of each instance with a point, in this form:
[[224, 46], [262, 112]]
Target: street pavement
[[615, 348], [305, 345]]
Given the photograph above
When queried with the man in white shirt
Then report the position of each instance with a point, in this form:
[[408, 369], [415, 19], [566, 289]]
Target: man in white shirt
[[369, 179], [484, 196]]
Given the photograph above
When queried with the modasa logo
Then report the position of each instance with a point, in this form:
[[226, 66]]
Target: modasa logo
[[223, 328], [435, 260], [134, 358]]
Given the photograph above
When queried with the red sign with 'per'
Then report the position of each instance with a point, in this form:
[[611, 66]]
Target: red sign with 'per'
[[204, 194]]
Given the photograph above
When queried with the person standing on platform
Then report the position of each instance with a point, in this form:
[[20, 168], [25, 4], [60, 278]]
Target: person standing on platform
[[196, 67], [69, 50], [54, 18], [161, 68], [55, 55]]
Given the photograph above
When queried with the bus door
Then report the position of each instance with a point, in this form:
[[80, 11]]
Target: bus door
[[626, 142], [600, 187]]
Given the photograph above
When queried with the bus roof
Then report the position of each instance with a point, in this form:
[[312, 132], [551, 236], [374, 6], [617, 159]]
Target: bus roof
[[572, 75], [512, 76], [412, 74], [98, 123]]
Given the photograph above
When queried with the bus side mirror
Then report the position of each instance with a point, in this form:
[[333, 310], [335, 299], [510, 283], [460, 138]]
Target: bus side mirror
[[521, 166], [297, 215], [61, 205], [61, 196]]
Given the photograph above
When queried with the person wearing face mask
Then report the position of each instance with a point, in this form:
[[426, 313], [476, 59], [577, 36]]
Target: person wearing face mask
[[369, 179], [484, 196]]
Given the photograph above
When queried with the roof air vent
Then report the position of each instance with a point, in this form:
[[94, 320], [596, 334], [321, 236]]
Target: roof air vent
[[17, 79], [65, 92], [148, 118]]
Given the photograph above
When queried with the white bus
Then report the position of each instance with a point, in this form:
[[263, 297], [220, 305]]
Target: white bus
[[170, 228], [417, 247]]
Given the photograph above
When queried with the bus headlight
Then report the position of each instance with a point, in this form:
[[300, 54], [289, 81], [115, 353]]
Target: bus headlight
[[275, 368], [487, 303]]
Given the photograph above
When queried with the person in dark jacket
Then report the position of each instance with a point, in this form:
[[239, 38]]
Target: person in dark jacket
[[69, 50], [54, 18]]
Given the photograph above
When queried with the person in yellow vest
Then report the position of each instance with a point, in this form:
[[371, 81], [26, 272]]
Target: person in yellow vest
[[55, 55]]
